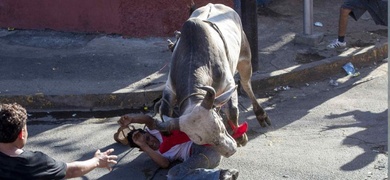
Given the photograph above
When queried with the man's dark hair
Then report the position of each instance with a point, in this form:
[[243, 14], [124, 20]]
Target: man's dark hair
[[130, 139], [13, 117]]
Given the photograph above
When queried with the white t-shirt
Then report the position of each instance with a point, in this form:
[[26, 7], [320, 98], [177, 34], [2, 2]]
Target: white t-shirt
[[177, 152]]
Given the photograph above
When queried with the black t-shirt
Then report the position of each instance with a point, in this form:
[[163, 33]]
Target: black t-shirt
[[31, 165]]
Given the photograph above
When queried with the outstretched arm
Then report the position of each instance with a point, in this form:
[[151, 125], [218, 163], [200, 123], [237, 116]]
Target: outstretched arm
[[140, 119], [164, 127], [100, 160], [156, 157]]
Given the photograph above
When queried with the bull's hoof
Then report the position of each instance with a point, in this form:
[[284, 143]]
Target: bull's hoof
[[171, 45], [228, 174], [241, 141], [268, 121], [264, 120]]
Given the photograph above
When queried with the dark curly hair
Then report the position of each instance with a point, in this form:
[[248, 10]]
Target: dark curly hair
[[130, 139], [13, 117]]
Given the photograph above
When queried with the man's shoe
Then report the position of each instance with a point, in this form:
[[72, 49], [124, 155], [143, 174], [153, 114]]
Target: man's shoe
[[228, 174], [337, 44]]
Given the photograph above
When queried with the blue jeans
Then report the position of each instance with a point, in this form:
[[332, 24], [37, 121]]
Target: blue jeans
[[200, 164], [237, 6]]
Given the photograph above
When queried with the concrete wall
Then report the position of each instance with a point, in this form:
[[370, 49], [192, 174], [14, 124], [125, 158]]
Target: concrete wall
[[133, 18]]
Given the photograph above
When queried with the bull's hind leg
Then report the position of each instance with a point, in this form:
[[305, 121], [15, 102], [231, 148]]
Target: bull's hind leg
[[245, 71], [244, 68], [232, 113]]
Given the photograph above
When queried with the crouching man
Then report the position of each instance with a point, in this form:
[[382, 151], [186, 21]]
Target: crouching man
[[18, 163]]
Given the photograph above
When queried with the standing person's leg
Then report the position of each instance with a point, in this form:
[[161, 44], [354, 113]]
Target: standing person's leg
[[353, 8], [343, 23], [200, 165]]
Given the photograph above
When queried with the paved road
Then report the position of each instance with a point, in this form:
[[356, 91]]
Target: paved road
[[319, 131]]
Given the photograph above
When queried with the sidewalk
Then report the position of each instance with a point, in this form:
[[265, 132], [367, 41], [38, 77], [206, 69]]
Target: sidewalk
[[58, 71]]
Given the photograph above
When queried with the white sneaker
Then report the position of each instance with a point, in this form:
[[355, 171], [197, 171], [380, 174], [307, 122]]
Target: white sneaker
[[337, 44]]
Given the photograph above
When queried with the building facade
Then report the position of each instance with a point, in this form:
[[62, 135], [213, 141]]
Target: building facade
[[132, 18]]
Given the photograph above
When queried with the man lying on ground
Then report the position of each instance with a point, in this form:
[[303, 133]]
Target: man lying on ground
[[198, 161]]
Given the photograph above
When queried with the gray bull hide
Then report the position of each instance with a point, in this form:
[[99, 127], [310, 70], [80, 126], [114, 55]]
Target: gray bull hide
[[212, 46]]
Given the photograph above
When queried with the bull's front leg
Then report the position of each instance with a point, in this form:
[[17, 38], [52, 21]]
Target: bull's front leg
[[168, 125], [171, 45], [232, 113], [166, 104], [166, 111]]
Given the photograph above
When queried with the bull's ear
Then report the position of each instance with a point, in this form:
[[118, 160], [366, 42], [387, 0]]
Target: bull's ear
[[224, 97], [209, 98]]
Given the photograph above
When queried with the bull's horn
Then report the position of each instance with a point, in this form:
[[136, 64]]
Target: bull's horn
[[209, 98]]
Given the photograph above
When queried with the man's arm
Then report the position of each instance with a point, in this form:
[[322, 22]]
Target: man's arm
[[139, 139], [156, 157], [140, 119], [100, 160]]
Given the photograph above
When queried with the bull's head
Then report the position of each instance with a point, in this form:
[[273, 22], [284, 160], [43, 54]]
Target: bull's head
[[204, 125]]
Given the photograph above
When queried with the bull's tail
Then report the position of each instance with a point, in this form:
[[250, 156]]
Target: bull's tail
[[192, 7]]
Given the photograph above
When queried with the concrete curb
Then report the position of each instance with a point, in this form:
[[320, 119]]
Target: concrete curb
[[301, 74], [318, 70]]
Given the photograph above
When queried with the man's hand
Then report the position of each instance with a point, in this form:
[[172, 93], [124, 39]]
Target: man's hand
[[139, 139], [105, 159], [124, 121]]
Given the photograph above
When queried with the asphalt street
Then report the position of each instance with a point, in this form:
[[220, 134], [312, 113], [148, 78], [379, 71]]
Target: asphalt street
[[322, 130]]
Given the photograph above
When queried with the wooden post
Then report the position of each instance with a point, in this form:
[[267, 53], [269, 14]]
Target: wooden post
[[249, 23]]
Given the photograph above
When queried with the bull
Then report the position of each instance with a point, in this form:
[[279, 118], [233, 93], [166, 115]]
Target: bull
[[212, 46]]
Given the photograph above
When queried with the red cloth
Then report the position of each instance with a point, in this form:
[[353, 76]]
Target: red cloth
[[238, 131], [176, 137]]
